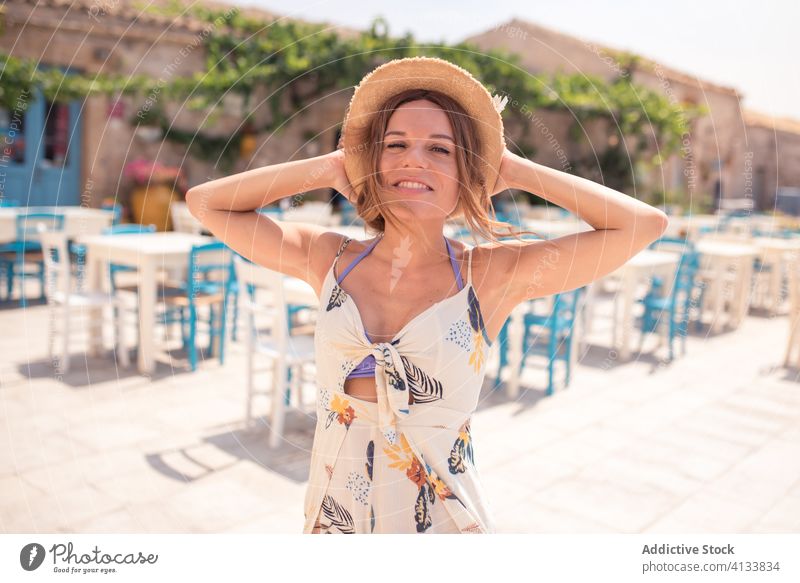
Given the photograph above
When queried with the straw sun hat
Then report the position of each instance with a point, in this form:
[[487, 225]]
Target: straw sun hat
[[425, 73]]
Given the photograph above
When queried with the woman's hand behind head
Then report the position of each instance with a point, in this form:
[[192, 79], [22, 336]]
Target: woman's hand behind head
[[336, 176]]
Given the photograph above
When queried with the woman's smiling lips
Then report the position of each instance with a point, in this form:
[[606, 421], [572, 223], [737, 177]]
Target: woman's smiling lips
[[412, 187]]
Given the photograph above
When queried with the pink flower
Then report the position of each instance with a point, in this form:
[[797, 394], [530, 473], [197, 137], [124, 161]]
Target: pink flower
[[146, 172]]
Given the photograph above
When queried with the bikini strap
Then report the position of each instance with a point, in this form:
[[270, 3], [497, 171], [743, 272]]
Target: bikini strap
[[469, 265], [357, 259], [454, 263]]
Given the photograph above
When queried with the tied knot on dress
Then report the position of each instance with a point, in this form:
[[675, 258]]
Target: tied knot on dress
[[390, 380]]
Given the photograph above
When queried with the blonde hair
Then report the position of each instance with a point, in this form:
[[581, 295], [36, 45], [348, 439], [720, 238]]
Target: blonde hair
[[473, 199]]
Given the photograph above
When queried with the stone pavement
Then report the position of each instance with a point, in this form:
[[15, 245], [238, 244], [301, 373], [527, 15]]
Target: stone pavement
[[707, 443]]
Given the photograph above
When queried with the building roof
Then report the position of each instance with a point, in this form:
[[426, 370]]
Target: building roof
[[673, 74], [764, 120]]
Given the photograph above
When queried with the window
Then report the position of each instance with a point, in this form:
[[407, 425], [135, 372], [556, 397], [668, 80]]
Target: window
[[56, 133]]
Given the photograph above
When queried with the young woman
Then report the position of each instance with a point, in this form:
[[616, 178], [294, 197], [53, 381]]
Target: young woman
[[407, 317]]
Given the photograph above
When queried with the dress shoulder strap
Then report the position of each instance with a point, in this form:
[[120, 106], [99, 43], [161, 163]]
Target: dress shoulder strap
[[343, 245], [339, 252]]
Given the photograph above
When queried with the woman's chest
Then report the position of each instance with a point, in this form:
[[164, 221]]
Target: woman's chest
[[385, 313]]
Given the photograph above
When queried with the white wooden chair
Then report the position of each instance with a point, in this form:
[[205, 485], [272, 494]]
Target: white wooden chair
[[183, 221], [64, 300], [270, 337]]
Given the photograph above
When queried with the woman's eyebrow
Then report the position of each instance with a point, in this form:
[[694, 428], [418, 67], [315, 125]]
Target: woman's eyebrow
[[441, 136]]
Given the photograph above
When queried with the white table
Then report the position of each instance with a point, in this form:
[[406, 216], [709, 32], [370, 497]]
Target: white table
[[147, 252], [638, 270], [77, 220], [779, 255], [720, 261], [792, 357]]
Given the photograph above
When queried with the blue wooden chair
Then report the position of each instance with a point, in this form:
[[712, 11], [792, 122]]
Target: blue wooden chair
[[671, 308], [27, 249], [349, 214], [511, 216], [671, 243], [209, 276], [698, 291], [559, 323]]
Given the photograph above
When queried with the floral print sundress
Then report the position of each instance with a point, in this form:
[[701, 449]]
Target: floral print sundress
[[391, 466]]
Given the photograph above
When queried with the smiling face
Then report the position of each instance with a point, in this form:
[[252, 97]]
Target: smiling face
[[418, 168]]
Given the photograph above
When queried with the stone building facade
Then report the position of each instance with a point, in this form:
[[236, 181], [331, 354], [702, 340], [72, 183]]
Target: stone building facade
[[114, 36], [718, 148], [726, 153]]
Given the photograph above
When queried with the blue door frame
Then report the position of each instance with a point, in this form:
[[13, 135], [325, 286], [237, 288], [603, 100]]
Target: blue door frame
[[43, 160]]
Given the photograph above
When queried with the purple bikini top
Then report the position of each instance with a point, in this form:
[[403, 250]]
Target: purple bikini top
[[366, 368]]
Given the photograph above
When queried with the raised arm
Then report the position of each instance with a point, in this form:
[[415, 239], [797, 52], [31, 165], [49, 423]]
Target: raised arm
[[623, 226], [227, 207]]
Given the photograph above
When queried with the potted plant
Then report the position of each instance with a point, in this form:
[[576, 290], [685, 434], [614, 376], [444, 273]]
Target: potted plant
[[155, 187]]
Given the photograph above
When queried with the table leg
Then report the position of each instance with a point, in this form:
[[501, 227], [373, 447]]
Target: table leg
[[775, 284], [743, 297], [718, 270], [628, 289], [515, 356], [147, 316], [588, 309]]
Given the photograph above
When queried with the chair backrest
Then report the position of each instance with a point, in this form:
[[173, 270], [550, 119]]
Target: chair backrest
[[271, 300], [687, 268], [56, 261], [28, 224], [117, 208], [210, 268], [129, 228], [671, 242], [565, 305], [183, 221]]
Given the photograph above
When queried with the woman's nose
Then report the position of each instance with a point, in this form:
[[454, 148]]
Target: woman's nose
[[415, 154]]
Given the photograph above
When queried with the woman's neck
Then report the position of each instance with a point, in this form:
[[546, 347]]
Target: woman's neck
[[414, 246]]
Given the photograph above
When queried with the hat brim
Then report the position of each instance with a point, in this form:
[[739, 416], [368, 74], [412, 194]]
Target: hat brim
[[423, 73]]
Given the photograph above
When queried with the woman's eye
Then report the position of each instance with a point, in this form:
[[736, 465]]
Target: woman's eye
[[434, 148]]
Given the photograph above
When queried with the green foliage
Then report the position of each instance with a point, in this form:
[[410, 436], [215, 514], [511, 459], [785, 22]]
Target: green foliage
[[300, 64]]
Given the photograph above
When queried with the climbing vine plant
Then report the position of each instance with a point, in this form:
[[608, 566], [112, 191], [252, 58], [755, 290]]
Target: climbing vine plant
[[299, 64]]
